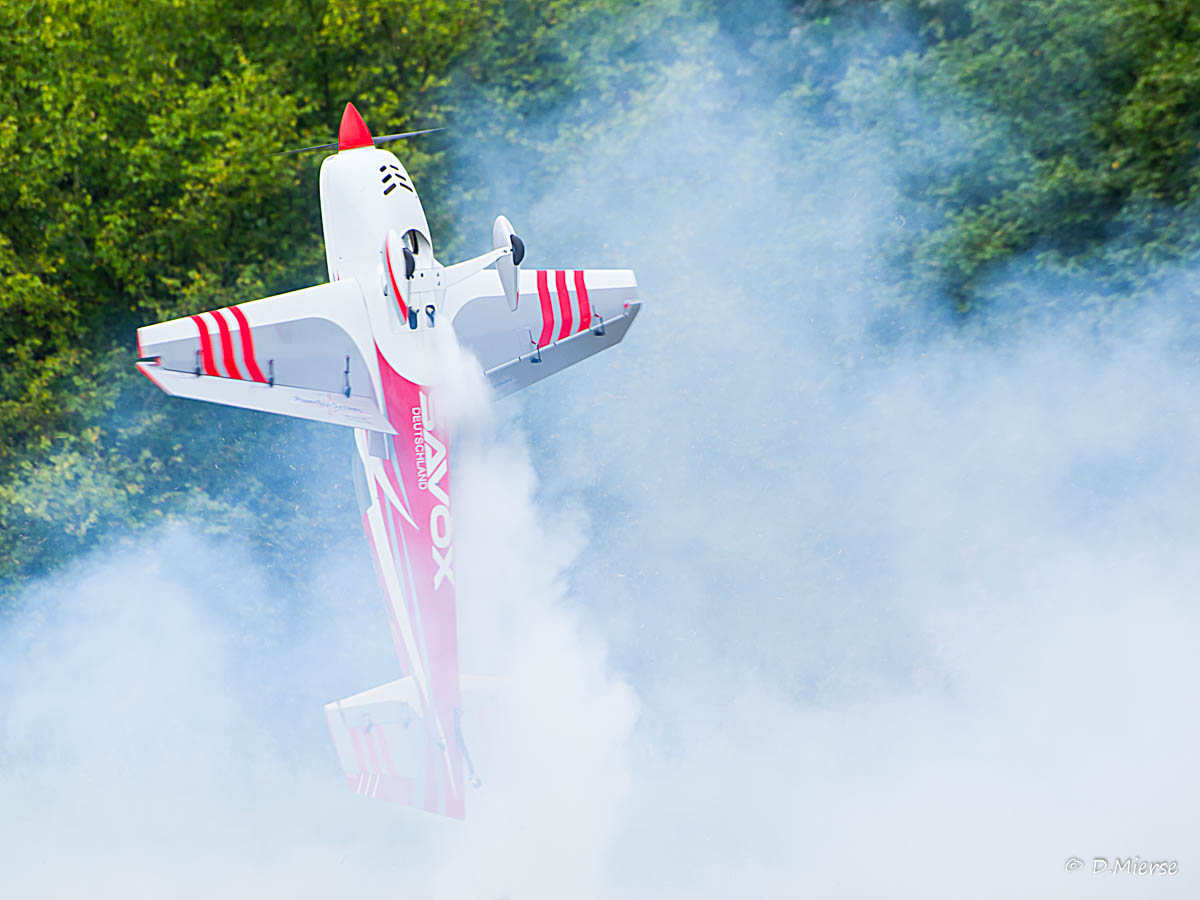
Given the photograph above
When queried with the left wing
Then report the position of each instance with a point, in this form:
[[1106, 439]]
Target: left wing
[[308, 354]]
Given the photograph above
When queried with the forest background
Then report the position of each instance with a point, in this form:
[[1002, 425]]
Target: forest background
[[139, 184]]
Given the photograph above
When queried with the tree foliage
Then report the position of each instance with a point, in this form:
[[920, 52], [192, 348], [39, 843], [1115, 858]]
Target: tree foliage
[[139, 184]]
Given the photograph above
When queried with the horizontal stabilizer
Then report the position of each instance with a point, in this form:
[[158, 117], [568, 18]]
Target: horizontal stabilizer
[[381, 742], [389, 752]]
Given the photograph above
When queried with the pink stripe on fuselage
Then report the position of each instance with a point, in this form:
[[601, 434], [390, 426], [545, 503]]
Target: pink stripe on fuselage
[[387, 255]]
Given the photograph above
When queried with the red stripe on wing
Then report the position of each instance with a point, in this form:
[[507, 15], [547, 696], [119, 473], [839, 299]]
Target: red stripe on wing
[[585, 305], [247, 345], [564, 303], [226, 337], [543, 286], [206, 350]]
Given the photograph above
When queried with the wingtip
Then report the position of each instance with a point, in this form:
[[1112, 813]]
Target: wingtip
[[353, 132], [146, 368]]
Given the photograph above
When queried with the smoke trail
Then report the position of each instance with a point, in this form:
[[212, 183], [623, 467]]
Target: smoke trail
[[551, 742], [907, 612]]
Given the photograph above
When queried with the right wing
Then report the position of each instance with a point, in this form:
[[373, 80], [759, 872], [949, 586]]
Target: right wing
[[308, 353], [562, 317]]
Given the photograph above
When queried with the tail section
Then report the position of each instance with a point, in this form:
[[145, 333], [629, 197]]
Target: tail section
[[388, 750]]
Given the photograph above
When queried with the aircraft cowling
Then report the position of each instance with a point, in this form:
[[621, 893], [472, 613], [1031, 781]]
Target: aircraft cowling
[[508, 267]]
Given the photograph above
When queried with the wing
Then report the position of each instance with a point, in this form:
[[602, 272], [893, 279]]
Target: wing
[[311, 354], [561, 317], [403, 485], [307, 353]]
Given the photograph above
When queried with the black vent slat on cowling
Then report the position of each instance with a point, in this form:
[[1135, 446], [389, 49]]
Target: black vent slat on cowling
[[399, 179]]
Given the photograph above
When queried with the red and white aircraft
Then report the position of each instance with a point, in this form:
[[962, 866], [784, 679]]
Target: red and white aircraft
[[363, 351]]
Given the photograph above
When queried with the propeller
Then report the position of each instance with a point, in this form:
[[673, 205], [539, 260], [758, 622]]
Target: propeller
[[377, 141]]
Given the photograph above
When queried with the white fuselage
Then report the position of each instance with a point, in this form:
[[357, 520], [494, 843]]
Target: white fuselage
[[365, 194]]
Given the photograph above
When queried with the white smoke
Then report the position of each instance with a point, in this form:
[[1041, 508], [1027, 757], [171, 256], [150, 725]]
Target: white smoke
[[787, 612], [551, 742]]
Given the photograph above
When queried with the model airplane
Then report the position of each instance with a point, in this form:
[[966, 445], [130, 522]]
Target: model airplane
[[362, 351]]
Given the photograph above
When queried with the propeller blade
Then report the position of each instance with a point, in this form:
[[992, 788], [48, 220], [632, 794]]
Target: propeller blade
[[332, 146], [382, 139], [388, 138]]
